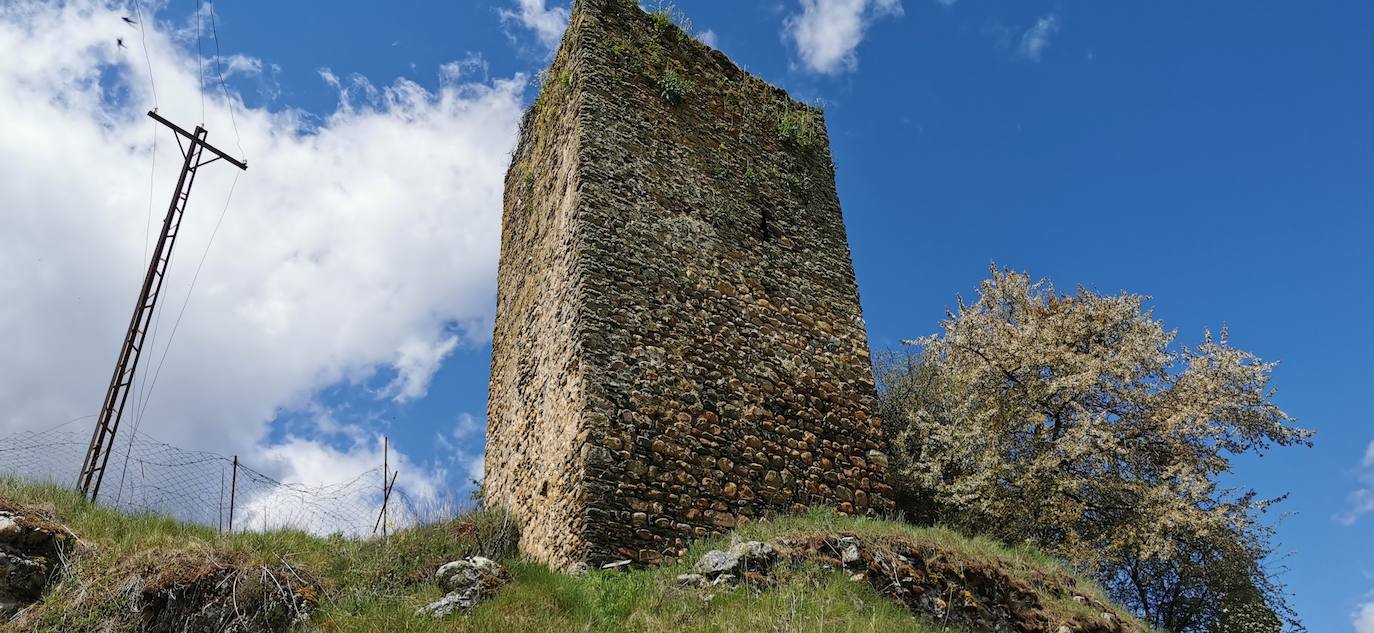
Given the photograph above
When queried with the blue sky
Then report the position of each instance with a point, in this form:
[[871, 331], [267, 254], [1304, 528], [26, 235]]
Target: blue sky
[[1216, 156]]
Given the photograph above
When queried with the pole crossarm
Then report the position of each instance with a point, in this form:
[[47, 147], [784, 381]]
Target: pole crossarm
[[241, 164], [126, 364]]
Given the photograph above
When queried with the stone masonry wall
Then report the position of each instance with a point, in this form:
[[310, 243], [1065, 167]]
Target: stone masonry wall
[[535, 398], [679, 345]]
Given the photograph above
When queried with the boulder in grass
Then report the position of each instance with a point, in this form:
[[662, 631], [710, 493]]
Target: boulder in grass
[[739, 558], [468, 581], [31, 555]]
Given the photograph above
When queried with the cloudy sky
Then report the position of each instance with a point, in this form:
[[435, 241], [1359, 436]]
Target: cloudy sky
[[1213, 155]]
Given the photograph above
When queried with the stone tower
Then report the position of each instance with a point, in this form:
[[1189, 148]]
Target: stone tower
[[679, 347]]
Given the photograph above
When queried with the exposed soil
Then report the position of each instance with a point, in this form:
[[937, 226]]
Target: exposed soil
[[183, 592], [193, 594]]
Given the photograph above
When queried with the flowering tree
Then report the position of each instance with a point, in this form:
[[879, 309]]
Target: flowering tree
[[1073, 422]]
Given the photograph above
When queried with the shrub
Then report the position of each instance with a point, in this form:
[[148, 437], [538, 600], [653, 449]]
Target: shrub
[[1075, 423]]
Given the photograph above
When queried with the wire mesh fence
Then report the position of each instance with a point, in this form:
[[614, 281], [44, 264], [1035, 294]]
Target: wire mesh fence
[[145, 476]]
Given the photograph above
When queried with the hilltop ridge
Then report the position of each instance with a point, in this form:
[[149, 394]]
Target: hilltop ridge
[[826, 572]]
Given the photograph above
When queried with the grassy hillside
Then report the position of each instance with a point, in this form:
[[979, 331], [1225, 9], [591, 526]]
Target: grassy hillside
[[356, 585]]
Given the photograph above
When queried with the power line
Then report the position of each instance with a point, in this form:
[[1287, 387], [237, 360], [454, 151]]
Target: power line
[[122, 382], [71, 421], [177, 324], [143, 36], [152, 170], [148, 220], [200, 61], [145, 392], [219, 70]]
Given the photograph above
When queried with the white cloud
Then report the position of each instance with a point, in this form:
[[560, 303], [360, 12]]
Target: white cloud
[[827, 32], [347, 505], [1361, 501], [477, 467], [1363, 617], [1037, 37], [357, 245], [547, 23], [466, 433], [472, 67], [416, 361], [709, 38]]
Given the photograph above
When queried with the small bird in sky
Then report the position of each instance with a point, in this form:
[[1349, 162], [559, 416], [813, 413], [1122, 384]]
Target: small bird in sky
[[128, 20], [119, 41]]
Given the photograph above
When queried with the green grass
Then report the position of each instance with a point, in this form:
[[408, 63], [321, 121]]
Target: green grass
[[672, 86], [799, 126], [373, 586], [667, 18], [1018, 562]]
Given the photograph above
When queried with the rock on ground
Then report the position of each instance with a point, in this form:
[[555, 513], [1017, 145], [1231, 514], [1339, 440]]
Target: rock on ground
[[927, 580], [31, 555], [182, 592], [468, 581], [724, 566]]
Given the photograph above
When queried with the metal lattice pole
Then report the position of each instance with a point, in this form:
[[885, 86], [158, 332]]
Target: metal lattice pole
[[121, 383]]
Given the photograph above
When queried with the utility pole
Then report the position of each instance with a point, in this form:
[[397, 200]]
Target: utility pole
[[117, 395]]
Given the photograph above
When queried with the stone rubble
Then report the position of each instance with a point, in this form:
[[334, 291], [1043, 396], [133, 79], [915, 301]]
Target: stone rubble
[[746, 556], [31, 556], [725, 567], [926, 580], [468, 581]]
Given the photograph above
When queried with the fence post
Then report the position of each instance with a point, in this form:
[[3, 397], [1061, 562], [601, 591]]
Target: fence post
[[233, 492]]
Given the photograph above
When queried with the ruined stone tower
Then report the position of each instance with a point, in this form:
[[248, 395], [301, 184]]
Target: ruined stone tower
[[679, 347]]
